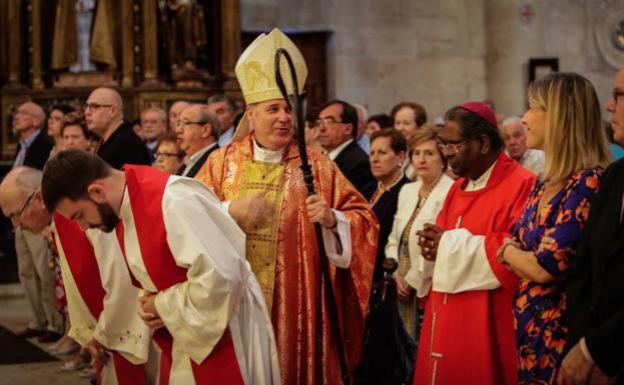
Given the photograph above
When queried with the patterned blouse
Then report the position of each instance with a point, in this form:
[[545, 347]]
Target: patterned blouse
[[539, 308]]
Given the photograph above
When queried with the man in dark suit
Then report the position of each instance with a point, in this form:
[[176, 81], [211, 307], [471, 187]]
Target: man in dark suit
[[120, 144], [338, 122], [595, 293], [197, 133], [32, 249]]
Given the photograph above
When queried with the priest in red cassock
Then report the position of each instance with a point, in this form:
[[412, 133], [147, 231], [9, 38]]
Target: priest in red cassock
[[200, 298], [468, 332], [264, 167]]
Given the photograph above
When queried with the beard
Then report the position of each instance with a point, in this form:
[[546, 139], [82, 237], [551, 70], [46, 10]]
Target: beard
[[108, 217]]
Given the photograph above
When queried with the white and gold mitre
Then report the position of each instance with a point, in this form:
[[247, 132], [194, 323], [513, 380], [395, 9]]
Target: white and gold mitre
[[255, 69]]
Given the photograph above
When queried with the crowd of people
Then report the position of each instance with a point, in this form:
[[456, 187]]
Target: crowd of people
[[188, 248]]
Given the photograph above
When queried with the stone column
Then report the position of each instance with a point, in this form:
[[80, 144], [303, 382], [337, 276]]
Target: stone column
[[511, 40]]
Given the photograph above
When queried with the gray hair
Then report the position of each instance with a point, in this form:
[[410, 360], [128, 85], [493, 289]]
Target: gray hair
[[163, 114]]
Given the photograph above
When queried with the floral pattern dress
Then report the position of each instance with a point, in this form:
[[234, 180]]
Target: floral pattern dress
[[539, 309]]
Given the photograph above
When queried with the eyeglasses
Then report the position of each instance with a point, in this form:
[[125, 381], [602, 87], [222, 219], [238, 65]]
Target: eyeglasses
[[450, 148], [95, 106], [18, 215], [617, 95], [185, 122], [167, 155], [326, 121]]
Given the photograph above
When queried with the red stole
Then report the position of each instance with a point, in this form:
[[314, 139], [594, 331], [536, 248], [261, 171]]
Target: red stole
[[82, 263], [146, 188], [468, 337]]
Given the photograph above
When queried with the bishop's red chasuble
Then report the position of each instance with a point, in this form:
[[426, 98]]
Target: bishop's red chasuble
[[285, 258]]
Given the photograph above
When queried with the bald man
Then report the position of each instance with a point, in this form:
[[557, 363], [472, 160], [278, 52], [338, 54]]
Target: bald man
[[34, 147], [37, 276], [175, 111], [99, 300], [120, 144], [514, 134]]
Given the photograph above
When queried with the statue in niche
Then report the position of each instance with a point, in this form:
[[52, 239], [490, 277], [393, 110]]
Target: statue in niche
[[84, 36], [187, 31]]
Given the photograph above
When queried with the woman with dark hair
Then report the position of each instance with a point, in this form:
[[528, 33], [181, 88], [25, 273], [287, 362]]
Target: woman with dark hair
[[169, 155], [387, 155], [55, 122], [75, 133], [376, 123]]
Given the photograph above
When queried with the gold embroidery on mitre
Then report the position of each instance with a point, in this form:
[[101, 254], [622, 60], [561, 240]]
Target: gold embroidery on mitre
[[255, 69], [261, 245]]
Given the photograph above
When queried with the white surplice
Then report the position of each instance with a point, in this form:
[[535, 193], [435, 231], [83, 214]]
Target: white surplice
[[118, 327], [220, 290]]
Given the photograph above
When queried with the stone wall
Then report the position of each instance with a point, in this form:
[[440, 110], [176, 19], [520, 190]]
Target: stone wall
[[444, 52]]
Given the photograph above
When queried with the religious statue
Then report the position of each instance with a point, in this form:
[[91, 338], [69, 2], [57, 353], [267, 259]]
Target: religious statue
[[188, 33], [84, 34]]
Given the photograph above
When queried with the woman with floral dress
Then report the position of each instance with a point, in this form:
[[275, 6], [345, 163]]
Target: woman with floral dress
[[563, 120]]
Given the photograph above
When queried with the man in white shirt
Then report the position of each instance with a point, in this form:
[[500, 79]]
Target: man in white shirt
[[514, 135]]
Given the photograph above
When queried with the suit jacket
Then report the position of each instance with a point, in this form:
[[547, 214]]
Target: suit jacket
[[595, 293], [198, 165], [419, 274], [38, 152], [354, 164], [385, 208], [124, 147]]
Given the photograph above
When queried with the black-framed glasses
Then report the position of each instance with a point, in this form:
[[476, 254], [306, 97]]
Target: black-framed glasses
[[451, 147], [19, 214], [617, 95], [326, 121], [185, 122], [167, 155], [95, 106]]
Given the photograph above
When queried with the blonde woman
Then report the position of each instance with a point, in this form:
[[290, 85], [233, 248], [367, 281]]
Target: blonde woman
[[563, 120], [419, 203]]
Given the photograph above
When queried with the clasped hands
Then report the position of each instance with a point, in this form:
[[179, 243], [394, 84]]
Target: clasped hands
[[255, 210], [428, 240], [148, 312]]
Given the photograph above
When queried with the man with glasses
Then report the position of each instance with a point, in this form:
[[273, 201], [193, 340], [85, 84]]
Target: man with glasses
[[34, 255], [119, 143], [595, 294], [338, 128], [468, 329], [97, 298], [197, 133]]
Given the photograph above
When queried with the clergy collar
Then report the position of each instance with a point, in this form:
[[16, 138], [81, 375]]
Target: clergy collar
[[266, 155], [334, 153]]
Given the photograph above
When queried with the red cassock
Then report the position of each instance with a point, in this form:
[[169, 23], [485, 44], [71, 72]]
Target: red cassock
[[80, 257], [468, 337], [146, 187]]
